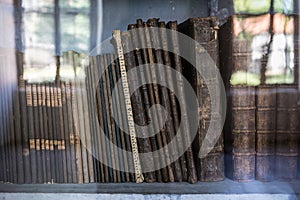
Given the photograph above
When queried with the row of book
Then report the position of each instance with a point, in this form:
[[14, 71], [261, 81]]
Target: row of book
[[73, 131], [45, 146], [262, 132], [262, 124]]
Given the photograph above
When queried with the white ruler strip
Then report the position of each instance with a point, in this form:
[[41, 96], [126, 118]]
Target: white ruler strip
[[132, 133]]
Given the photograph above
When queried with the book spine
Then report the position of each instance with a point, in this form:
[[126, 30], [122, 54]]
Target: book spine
[[87, 128], [81, 134], [138, 108], [179, 65], [173, 101], [147, 57], [126, 141], [51, 128], [57, 124], [29, 103], [63, 131], [54, 122], [165, 100], [70, 134], [6, 129], [99, 102], [265, 132], [212, 166], [17, 138], [24, 130], [45, 143], [76, 129], [37, 133], [110, 128], [42, 130], [110, 106], [240, 128], [92, 111], [13, 129], [288, 130], [112, 78], [242, 161], [107, 121], [66, 142], [136, 35]]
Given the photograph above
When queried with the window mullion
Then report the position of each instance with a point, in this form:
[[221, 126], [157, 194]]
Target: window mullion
[[57, 28]]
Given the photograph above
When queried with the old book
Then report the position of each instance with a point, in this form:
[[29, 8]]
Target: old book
[[141, 58], [45, 142], [240, 136], [92, 111], [24, 129], [67, 60], [49, 142], [65, 146], [115, 75], [70, 134], [86, 120], [138, 108], [187, 160], [29, 103], [204, 31], [17, 140], [126, 140], [53, 141], [3, 136], [37, 132], [147, 58], [239, 81], [235, 51], [76, 129], [82, 134], [116, 113], [101, 101], [61, 144], [265, 132], [108, 121], [42, 131], [113, 134], [165, 99], [14, 139], [101, 118], [174, 83], [288, 130]]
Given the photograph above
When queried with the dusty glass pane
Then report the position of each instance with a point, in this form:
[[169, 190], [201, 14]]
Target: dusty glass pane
[[75, 32], [38, 5]]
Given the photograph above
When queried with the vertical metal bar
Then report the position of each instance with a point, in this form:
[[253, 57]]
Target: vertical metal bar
[[57, 28], [93, 24]]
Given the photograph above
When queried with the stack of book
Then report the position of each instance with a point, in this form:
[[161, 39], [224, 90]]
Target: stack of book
[[181, 168]]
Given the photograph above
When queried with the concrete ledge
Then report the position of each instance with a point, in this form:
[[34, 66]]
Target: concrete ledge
[[224, 187], [64, 196]]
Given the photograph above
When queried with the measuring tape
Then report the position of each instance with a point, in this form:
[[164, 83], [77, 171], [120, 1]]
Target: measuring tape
[[132, 133]]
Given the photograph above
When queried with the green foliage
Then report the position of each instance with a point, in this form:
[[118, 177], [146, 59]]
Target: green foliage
[[262, 6], [280, 79], [244, 78]]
